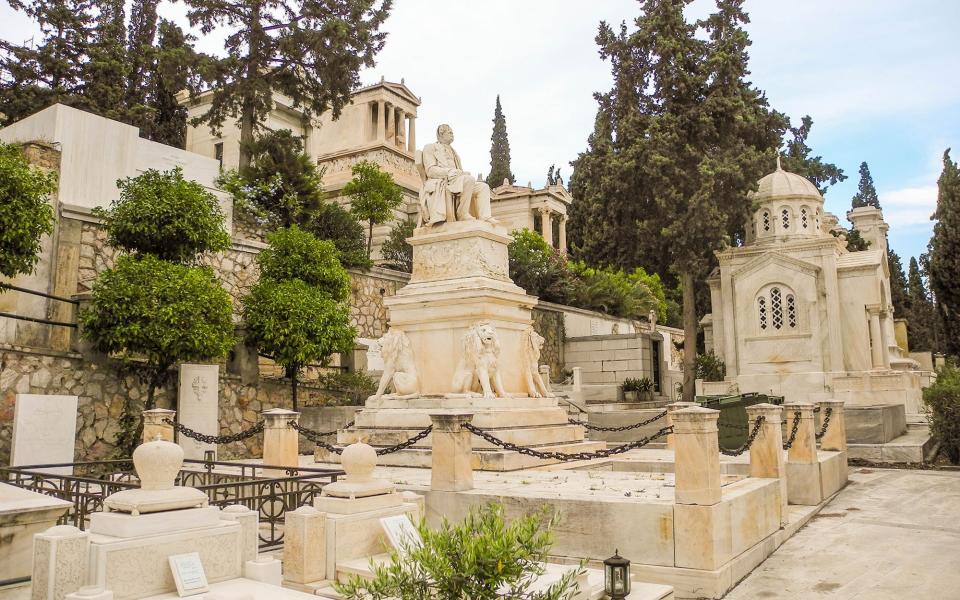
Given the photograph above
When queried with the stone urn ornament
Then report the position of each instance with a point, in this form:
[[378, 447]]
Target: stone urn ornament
[[157, 464]]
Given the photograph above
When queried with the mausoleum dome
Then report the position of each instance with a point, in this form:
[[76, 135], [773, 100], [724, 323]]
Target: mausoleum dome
[[787, 205]]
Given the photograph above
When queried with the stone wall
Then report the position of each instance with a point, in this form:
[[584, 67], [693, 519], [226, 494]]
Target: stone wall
[[549, 324]]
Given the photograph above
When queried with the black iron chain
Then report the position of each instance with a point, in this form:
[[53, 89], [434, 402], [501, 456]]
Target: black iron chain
[[404, 445], [316, 438], [312, 434], [216, 439], [746, 445], [623, 428], [563, 456], [793, 431], [826, 422], [816, 409]]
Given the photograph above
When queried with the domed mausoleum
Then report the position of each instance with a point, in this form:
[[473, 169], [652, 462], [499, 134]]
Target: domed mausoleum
[[796, 314]]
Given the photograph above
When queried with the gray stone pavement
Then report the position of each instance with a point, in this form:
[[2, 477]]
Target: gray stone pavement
[[889, 534]]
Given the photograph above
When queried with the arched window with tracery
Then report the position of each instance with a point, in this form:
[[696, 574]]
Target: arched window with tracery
[[777, 310], [762, 312], [765, 221], [803, 218], [785, 219], [791, 311]]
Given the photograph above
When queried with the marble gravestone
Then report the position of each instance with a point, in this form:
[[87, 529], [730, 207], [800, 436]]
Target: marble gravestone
[[198, 406], [44, 431]]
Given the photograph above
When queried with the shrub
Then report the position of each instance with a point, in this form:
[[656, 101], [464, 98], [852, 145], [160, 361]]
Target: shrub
[[613, 291], [643, 385], [373, 196], [397, 253], [538, 268], [25, 214], [710, 367], [296, 254], [332, 222], [163, 214], [482, 558], [943, 400]]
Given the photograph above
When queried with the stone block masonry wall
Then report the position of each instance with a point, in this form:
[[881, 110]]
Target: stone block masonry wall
[[608, 358]]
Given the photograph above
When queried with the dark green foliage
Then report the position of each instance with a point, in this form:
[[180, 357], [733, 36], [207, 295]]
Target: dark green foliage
[[480, 558], [296, 313], [25, 214], [499, 150], [920, 313], [397, 252], [176, 67], [945, 254], [632, 384], [335, 223], [296, 254], [373, 196], [710, 367], [866, 193], [106, 69], [898, 284], [943, 400], [553, 176], [163, 214], [799, 161], [311, 51], [538, 268], [140, 38], [855, 242]]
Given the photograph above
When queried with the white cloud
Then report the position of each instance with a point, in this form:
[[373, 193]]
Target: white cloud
[[909, 206]]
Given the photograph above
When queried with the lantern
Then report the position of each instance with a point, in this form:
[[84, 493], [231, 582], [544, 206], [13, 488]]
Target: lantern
[[616, 576]]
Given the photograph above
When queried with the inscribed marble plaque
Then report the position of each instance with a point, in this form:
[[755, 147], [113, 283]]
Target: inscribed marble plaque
[[44, 431], [197, 406]]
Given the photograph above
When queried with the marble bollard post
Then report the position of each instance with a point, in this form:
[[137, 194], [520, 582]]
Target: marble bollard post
[[672, 408], [766, 452], [804, 448], [153, 424], [304, 546], [835, 438], [249, 521], [451, 469], [577, 379], [59, 562], [697, 456], [545, 375], [280, 441]]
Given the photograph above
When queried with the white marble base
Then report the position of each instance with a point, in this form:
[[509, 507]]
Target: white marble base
[[123, 525], [348, 506], [241, 589], [266, 569]]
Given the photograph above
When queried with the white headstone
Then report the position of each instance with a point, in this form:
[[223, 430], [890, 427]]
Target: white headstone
[[44, 431], [374, 357], [198, 406]]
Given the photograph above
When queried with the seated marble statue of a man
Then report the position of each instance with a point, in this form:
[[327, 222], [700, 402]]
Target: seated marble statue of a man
[[448, 193]]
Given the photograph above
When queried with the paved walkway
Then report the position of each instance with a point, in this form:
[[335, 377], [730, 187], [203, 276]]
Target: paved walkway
[[890, 534]]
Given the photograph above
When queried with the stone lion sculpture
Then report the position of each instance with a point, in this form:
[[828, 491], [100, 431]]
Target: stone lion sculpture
[[399, 369], [532, 345], [479, 362]]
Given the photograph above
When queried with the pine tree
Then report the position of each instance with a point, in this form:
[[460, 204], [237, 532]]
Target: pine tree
[[866, 193], [105, 73], [945, 254], [311, 51], [920, 313], [799, 161], [141, 34], [499, 150], [898, 285], [34, 76]]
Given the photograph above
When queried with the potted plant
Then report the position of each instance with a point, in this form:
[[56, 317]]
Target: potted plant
[[630, 387], [645, 389]]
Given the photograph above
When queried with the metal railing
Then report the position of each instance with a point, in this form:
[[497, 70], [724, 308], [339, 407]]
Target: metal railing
[[252, 485], [16, 288]]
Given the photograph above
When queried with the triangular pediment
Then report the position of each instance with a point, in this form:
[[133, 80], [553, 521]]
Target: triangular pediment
[[778, 260]]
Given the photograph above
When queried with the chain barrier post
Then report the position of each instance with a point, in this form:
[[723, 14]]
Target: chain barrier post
[[766, 453], [803, 466], [280, 441], [451, 468], [696, 462], [835, 436], [155, 423], [671, 408]]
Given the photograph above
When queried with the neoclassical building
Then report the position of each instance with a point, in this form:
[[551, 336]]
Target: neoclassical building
[[543, 210], [796, 314]]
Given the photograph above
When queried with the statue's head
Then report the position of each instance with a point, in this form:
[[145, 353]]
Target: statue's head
[[445, 134]]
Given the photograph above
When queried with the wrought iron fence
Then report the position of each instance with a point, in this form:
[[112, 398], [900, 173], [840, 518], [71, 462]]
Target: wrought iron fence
[[270, 490]]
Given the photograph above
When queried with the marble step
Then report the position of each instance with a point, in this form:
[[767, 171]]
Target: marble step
[[912, 447], [486, 418], [460, 402], [523, 436]]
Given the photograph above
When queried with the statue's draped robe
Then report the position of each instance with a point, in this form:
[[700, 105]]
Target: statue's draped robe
[[437, 190]]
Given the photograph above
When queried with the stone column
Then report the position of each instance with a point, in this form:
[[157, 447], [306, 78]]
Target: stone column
[[280, 443], [563, 234], [381, 120], [766, 453], [672, 408], [697, 461], [304, 546], [153, 424], [452, 468], [577, 378], [886, 332], [391, 109], [876, 339], [60, 562], [835, 438], [546, 226], [412, 134], [803, 468]]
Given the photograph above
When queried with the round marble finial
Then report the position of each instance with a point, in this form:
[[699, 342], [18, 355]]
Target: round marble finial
[[358, 461], [157, 464]]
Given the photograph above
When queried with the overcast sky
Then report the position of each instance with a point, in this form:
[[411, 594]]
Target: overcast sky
[[879, 77]]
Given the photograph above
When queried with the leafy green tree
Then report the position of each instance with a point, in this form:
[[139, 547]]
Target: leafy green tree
[[899, 296], [481, 558], [176, 67], [799, 161], [311, 51], [919, 310], [373, 196], [25, 214], [866, 192], [297, 312], [538, 268], [163, 214], [945, 253], [943, 400], [335, 223], [499, 150], [397, 252]]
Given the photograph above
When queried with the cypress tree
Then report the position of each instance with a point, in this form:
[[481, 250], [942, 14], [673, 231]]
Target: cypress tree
[[798, 160], [175, 68], [866, 193], [311, 51], [141, 34], [499, 150], [945, 253], [898, 284], [921, 313], [105, 73]]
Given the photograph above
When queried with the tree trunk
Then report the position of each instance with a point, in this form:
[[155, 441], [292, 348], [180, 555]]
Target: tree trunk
[[689, 337], [370, 239]]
